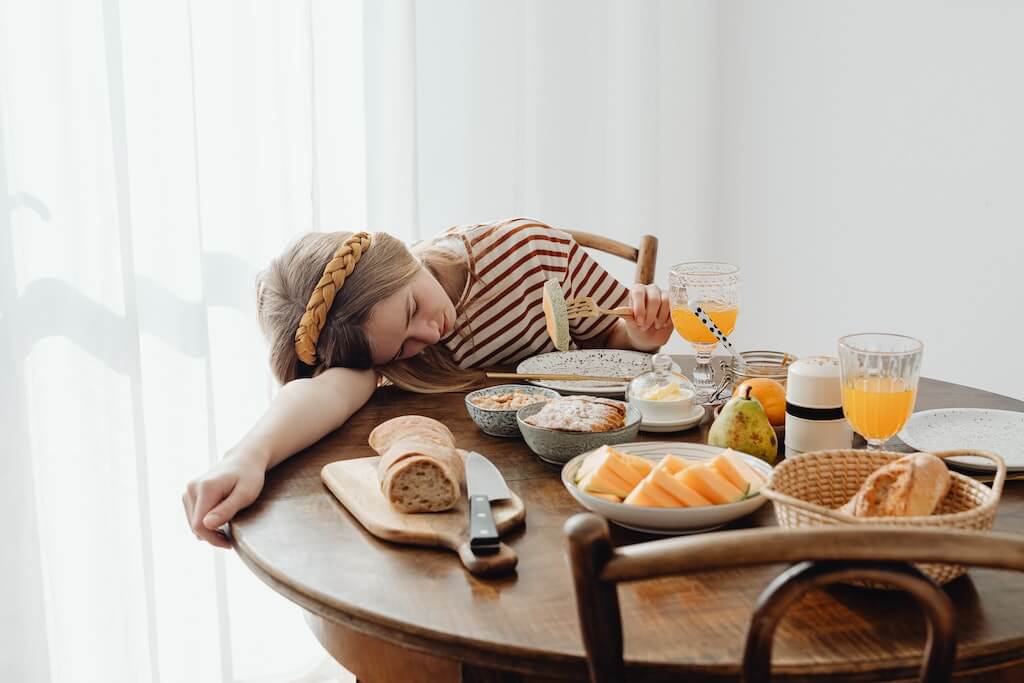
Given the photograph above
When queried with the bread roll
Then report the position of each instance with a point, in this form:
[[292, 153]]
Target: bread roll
[[410, 428], [419, 469], [427, 478], [913, 485]]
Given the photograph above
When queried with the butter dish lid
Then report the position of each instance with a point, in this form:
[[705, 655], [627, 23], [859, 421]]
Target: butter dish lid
[[814, 383], [660, 383]]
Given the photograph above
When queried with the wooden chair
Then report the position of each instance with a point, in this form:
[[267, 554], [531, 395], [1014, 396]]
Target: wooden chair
[[824, 557], [645, 256]]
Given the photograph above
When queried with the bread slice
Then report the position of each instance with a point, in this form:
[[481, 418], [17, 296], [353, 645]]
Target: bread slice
[[421, 484], [556, 317]]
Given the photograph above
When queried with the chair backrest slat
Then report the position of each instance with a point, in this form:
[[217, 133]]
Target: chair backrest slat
[[768, 546], [831, 555], [645, 256]]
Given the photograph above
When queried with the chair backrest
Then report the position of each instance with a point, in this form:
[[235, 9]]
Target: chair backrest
[[825, 556], [644, 256]]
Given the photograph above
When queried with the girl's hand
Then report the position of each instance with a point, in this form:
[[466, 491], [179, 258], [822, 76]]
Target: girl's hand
[[214, 498], [651, 326]]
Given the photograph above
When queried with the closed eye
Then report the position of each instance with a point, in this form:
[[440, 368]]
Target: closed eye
[[409, 313]]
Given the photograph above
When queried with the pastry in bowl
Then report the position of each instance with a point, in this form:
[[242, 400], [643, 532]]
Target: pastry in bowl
[[580, 414], [568, 426]]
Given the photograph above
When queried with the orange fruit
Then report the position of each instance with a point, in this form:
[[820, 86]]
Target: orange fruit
[[770, 394]]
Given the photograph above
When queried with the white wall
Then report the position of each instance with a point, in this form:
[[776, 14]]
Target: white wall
[[863, 162], [872, 177], [588, 115]]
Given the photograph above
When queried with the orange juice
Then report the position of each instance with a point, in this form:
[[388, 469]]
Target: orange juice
[[690, 328], [877, 407]]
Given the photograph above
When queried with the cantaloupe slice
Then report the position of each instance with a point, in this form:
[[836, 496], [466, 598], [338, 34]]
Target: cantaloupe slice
[[638, 496], [682, 493], [629, 467], [651, 495], [607, 496], [638, 463], [672, 464], [588, 465], [604, 481], [710, 484], [741, 475]]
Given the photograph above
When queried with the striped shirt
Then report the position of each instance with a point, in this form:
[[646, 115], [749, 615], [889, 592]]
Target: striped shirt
[[501, 320]]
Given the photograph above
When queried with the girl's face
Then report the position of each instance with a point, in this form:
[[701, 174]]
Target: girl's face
[[416, 316]]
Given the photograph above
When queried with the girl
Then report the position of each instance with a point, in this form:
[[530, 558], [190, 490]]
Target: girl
[[344, 312]]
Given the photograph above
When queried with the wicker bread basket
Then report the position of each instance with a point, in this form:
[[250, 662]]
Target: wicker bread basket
[[806, 490]]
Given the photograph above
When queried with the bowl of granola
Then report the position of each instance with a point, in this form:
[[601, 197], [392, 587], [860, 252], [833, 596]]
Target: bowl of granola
[[494, 409]]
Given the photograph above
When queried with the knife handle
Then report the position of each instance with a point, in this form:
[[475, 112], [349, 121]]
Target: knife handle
[[483, 536]]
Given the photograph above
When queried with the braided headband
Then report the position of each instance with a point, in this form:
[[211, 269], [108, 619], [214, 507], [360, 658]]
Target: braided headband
[[338, 268]]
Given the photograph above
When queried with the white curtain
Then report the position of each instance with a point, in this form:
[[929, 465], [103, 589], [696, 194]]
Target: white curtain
[[157, 153]]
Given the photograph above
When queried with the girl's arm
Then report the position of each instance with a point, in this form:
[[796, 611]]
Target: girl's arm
[[303, 412]]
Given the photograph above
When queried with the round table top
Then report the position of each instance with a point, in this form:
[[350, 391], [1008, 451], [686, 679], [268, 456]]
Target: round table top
[[300, 540]]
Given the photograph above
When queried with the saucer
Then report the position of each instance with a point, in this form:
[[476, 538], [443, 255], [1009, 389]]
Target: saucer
[[695, 417]]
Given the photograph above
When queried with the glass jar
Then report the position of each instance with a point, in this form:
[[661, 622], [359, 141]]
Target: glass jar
[[660, 383], [771, 364]]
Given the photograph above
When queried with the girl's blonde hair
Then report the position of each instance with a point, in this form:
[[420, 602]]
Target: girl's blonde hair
[[283, 289]]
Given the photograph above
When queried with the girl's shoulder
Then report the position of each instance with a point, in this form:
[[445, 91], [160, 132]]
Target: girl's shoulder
[[480, 234], [525, 237]]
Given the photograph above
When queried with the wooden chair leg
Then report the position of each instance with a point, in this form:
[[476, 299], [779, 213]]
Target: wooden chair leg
[[597, 601], [794, 583]]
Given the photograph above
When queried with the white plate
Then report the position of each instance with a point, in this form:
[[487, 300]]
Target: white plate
[[695, 417], [605, 362], [948, 429], [667, 520]]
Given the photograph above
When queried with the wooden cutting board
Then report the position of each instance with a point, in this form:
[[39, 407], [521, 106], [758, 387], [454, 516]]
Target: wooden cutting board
[[355, 484]]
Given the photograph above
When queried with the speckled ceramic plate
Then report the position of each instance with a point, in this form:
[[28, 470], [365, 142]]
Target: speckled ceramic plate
[[602, 362], [998, 431]]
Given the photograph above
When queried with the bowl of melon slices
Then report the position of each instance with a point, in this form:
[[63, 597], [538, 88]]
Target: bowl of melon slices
[[667, 487]]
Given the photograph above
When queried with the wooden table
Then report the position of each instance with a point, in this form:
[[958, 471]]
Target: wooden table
[[395, 613]]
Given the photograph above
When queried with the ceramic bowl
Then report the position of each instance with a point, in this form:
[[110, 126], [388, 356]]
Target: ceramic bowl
[[557, 447], [659, 520], [675, 409], [501, 422]]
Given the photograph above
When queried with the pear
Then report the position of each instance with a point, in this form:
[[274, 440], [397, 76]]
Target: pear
[[743, 426]]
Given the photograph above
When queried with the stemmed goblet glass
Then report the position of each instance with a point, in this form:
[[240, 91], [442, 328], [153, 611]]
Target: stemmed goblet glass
[[715, 287]]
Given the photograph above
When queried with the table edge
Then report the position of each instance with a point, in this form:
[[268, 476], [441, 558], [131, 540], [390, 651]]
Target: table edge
[[512, 658]]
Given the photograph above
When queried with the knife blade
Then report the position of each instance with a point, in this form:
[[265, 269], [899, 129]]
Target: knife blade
[[484, 484]]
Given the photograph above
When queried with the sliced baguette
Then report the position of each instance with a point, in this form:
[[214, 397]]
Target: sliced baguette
[[911, 486]]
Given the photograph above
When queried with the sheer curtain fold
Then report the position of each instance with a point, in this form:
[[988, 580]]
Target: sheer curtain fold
[[153, 157]]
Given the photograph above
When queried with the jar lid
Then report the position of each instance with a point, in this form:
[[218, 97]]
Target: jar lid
[[660, 383], [814, 383]]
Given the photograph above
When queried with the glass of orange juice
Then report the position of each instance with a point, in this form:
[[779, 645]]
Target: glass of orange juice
[[715, 287], [878, 373]]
